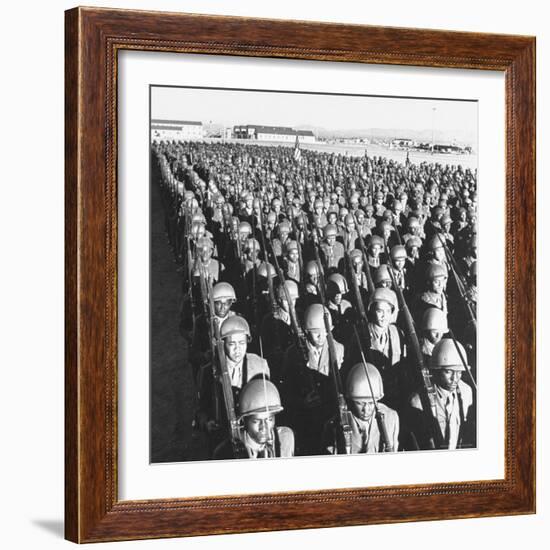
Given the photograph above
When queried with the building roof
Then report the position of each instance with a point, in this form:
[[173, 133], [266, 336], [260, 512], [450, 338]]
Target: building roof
[[164, 127], [305, 133], [282, 130], [180, 122]]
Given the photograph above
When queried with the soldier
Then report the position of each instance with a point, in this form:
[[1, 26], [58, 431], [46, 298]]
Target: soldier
[[356, 261], [291, 265], [350, 234], [279, 243], [398, 255], [433, 327], [454, 399], [223, 297], [259, 402], [331, 251], [381, 277], [364, 390], [309, 391], [241, 366], [374, 251], [434, 295]]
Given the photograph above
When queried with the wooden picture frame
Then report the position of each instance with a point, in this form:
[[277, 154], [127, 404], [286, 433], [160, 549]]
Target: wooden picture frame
[[93, 39]]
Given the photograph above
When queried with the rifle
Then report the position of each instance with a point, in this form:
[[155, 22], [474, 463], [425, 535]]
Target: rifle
[[459, 281], [224, 377], [427, 393], [378, 415], [366, 267], [213, 337], [343, 414]]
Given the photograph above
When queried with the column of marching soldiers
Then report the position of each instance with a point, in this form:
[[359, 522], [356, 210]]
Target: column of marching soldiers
[[329, 301]]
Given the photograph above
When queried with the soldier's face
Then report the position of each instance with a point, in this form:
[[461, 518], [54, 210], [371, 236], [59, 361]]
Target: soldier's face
[[439, 253], [382, 314], [350, 227], [399, 263], [317, 337], [357, 264], [205, 253], [413, 252], [375, 250], [362, 408], [284, 233], [293, 256], [337, 298], [260, 427], [235, 347], [314, 277], [433, 335], [447, 378], [385, 283], [438, 284], [222, 307], [331, 239]]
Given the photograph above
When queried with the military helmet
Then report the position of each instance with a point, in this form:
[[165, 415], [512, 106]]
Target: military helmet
[[234, 325], [205, 242], [252, 244], [434, 243], [244, 227], [330, 230], [357, 383], [436, 270], [271, 216], [263, 270], [382, 273], [398, 252], [291, 287], [413, 242], [349, 219], [384, 295], [259, 396], [312, 268], [338, 282], [291, 245], [314, 317], [356, 253], [376, 240], [223, 291], [284, 225], [413, 222], [434, 319], [446, 356]]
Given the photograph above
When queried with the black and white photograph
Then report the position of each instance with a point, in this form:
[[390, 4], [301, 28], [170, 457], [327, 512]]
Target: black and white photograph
[[313, 274]]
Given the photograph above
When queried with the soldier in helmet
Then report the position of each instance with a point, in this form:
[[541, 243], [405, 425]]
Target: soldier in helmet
[[350, 235], [434, 295], [364, 390], [381, 277], [433, 328], [398, 255], [241, 366], [279, 243], [309, 392], [331, 251], [356, 261], [385, 344], [455, 413], [259, 402], [414, 229], [374, 251], [223, 297], [291, 264]]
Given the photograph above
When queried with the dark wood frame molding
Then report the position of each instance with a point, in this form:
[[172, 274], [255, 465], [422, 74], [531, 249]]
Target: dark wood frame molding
[[93, 38]]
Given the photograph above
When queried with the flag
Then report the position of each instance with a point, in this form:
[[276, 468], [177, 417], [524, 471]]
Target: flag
[[297, 152]]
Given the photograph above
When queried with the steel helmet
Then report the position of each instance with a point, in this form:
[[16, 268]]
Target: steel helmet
[[398, 252], [357, 383], [384, 295], [413, 242], [434, 243], [223, 291], [381, 274], [338, 283], [434, 319], [244, 227], [376, 240], [413, 222], [292, 288], [314, 317], [234, 325], [349, 219], [205, 242], [272, 217], [355, 253], [446, 356], [284, 225], [259, 396], [330, 230], [312, 268], [436, 270], [198, 217], [252, 244], [263, 270], [291, 245]]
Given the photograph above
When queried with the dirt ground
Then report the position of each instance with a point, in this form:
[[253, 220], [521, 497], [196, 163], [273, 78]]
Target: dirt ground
[[172, 388]]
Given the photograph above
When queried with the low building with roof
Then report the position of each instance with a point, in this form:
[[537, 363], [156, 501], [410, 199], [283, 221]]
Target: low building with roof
[[272, 133], [176, 130]]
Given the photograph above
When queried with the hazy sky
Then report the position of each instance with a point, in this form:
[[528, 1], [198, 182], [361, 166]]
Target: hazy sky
[[333, 112]]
